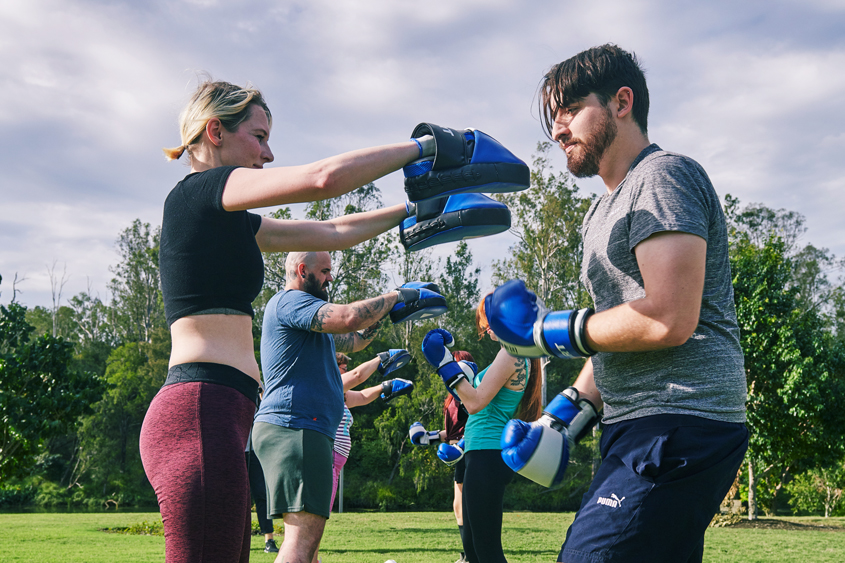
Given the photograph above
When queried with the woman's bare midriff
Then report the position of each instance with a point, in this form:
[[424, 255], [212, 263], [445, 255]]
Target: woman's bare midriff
[[219, 339]]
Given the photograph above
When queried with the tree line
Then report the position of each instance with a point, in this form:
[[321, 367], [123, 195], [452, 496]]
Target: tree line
[[76, 378]]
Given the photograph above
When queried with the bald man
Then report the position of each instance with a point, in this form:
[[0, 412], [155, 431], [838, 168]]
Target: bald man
[[303, 399]]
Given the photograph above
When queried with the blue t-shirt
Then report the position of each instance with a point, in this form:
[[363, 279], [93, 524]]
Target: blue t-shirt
[[303, 388]]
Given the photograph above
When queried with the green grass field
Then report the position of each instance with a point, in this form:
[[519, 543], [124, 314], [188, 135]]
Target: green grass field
[[407, 537]]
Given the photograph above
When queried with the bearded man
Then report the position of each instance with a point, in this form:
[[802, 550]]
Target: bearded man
[[303, 399], [663, 349]]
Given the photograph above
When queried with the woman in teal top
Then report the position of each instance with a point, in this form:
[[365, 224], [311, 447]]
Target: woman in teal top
[[508, 388]]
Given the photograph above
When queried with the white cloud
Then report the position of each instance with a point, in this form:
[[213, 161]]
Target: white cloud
[[92, 89]]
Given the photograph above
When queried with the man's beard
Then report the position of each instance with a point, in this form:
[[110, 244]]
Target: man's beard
[[585, 163], [313, 287]]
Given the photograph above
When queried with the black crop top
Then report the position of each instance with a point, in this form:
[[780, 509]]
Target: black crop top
[[208, 256]]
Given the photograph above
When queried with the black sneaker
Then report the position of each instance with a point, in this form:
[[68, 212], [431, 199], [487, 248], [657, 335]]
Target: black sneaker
[[270, 547]]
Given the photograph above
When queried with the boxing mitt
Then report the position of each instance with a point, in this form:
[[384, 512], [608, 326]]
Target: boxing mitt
[[418, 300], [453, 218], [395, 388], [464, 161], [392, 360]]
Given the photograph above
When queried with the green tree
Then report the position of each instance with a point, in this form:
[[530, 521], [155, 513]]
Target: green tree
[[459, 282], [358, 271], [547, 220], [137, 304], [274, 281], [109, 462], [794, 365], [41, 395], [819, 490]]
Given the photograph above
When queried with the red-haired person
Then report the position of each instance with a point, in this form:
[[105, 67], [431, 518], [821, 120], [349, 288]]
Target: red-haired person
[[507, 388]]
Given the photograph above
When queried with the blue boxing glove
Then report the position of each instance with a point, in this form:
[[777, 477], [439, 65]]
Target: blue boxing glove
[[434, 347], [451, 454], [422, 437], [396, 388], [392, 360], [527, 329], [540, 450], [418, 300]]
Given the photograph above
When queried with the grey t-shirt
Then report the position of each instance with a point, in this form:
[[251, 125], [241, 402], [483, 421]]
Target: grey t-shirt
[[705, 376]]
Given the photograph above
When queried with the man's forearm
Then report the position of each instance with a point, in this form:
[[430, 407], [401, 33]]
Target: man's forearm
[[369, 312], [586, 385]]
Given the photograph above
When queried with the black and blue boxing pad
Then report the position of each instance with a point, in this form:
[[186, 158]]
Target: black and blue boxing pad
[[419, 300], [392, 360], [396, 388], [453, 218], [464, 161]]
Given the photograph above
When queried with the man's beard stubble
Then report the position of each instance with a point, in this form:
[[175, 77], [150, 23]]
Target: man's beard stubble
[[593, 148], [313, 287]]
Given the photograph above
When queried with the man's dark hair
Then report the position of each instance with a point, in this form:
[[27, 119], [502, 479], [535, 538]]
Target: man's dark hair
[[601, 71]]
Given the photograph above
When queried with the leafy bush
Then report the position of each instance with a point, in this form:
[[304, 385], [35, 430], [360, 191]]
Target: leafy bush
[[16, 497], [819, 491]]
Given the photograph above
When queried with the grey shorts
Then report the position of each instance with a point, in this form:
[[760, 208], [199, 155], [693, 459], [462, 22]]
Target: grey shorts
[[297, 469]]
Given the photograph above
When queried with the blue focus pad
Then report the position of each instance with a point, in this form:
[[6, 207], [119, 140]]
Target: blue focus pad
[[431, 286], [454, 218], [430, 304], [392, 360], [465, 161]]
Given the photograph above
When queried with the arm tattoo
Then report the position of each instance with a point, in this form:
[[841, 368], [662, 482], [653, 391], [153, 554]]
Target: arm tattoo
[[321, 317], [370, 332], [519, 375], [344, 342], [370, 310]]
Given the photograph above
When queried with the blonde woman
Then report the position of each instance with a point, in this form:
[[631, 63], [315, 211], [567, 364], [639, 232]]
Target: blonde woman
[[194, 433]]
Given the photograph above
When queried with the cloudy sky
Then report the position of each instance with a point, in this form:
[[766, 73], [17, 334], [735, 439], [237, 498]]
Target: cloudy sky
[[90, 91]]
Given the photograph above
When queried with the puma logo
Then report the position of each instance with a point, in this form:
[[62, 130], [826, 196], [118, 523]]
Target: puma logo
[[613, 502]]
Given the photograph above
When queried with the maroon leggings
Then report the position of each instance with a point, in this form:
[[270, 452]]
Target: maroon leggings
[[192, 447]]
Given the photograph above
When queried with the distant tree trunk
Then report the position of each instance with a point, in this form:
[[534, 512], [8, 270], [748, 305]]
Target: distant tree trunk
[[398, 459], [752, 492]]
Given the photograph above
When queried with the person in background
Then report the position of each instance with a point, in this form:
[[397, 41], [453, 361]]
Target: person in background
[[387, 390], [507, 388], [303, 404], [454, 419]]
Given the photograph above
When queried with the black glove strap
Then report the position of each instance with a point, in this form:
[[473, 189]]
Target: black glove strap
[[579, 327], [407, 294]]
